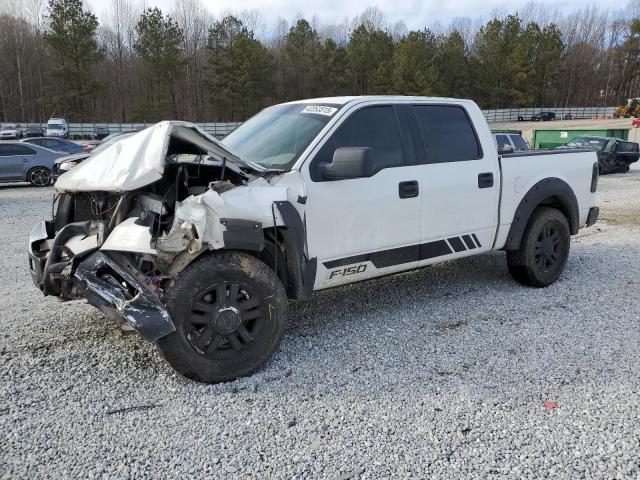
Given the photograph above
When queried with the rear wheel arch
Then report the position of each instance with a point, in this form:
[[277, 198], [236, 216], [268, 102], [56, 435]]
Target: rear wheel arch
[[550, 192]]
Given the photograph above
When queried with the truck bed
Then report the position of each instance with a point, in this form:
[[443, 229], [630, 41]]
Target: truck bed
[[521, 171]]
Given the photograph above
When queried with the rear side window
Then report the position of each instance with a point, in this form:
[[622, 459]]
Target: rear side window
[[50, 143], [9, 150], [373, 127], [518, 142], [448, 134]]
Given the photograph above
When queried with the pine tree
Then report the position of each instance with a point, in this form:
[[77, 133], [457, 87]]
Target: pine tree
[[71, 38], [240, 72], [370, 53], [414, 64], [302, 49], [159, 47]]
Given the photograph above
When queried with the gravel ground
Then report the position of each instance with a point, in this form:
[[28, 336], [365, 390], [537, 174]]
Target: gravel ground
[[438, 373]]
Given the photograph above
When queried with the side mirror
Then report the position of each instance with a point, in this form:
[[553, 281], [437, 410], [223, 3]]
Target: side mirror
[[349, 162]]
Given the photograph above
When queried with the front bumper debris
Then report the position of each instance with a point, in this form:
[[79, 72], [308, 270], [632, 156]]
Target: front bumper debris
[[71, 266]]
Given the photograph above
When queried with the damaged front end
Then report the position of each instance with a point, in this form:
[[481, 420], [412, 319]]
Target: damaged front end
[[129, 220]]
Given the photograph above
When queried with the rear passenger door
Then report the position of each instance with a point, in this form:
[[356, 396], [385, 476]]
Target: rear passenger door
[[14, 161], [363, 227], [458, 184]]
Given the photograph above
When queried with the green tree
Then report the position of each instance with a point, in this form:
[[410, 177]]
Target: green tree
[[370, 54], [497, 64], [159, 47], [240, 73], [220, 38], [415, 64], [71, 39], [454, 67], [250, 75], [302, 49], [543, 49], [332, 76]]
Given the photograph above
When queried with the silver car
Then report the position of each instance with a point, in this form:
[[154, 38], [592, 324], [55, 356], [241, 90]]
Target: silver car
[[11, 131], [21, 162]]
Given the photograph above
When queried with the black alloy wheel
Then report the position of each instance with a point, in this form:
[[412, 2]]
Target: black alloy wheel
[[225, 319]]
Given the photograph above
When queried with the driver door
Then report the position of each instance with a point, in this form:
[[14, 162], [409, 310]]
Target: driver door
[[363, 227]]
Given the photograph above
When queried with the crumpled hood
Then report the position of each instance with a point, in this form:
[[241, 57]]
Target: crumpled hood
[[139, 160]]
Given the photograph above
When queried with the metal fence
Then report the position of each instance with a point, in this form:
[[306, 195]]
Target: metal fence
[[515, 114], [86, 130]]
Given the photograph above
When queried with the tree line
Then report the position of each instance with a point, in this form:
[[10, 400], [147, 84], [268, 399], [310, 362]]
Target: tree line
[[134, 64]]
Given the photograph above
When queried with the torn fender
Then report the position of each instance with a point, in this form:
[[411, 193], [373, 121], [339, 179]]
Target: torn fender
[[212, 219]]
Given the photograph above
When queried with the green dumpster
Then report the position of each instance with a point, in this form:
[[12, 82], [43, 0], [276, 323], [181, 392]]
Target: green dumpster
[[557, 138]]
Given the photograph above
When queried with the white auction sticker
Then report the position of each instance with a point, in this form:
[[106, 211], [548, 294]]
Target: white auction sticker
[[320, 109]]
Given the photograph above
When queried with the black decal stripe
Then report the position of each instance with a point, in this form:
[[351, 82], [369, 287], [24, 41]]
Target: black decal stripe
[[340, 262], [395, 256], [476, 239], [469, 242], [434, 249], [457, 244]]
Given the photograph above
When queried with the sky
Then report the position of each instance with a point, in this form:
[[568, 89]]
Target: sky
[[414, 13]]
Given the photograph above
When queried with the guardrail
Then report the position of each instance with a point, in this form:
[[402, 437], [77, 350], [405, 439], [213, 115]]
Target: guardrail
[[220, 129], [516, 114], [87, 130]]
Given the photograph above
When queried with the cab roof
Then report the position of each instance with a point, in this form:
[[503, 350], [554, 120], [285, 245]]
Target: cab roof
[[388, 98]]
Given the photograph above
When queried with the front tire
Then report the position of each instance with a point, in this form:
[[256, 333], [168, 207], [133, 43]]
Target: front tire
[[230, 312], [39, 177], [543, 251]]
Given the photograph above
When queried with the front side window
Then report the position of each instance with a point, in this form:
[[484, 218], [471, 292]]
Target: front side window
[[448, 134], [373, 127], [277, 136]]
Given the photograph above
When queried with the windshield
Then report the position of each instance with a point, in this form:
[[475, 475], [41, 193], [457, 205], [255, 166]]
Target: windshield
[[54, 126], [276, 137], [583, 142], [9, 127]]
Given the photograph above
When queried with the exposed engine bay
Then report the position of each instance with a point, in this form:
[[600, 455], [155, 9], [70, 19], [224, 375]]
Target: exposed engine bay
[[117, 240]]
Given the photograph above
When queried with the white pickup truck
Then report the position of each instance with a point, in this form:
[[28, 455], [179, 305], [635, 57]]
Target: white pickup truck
[[199, 244]]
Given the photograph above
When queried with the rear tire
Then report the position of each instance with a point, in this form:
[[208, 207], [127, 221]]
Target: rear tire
[[39, 177], [543, 251], [230, 312]]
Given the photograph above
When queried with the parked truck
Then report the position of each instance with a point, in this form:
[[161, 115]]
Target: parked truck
[[199, 244]]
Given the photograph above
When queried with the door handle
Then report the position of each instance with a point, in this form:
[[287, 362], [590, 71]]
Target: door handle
[[485, 180], [408, 189], [25, 160]]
